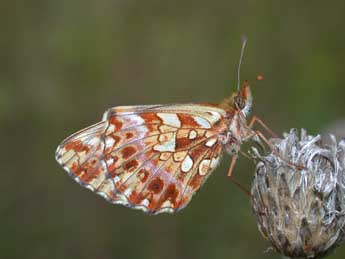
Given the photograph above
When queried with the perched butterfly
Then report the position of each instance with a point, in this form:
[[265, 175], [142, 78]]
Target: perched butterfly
[[155, 157]]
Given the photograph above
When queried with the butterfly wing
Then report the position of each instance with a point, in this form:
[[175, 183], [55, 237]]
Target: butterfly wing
[[152, 158]]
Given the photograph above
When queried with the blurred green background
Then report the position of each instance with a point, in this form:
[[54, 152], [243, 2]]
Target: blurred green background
[[63, 63]]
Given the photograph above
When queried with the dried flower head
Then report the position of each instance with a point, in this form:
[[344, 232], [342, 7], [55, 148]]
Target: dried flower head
[[301, 211]]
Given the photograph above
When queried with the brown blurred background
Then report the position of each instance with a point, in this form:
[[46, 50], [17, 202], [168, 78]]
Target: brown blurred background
[[63, 63]]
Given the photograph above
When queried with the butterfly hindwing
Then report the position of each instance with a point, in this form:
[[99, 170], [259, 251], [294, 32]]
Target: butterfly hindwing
[[81, 153], [149, 157]]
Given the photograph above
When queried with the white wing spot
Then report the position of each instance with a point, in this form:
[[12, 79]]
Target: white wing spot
[[215, 117], [214, 162], [192, 134], [111, 128], [202, 122], [187, 164], [128, 192], [109, 142], [120, 199], [168, 146], [170, 119], [204, 166], [166, 204], [145, 202], [211, 142], [116, 179], [110, 161], [208, 134], [138, 120]]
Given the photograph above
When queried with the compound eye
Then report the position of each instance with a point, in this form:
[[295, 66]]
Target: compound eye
[[239, 102]]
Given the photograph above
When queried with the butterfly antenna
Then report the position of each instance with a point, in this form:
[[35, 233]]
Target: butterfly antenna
[[244, 43]]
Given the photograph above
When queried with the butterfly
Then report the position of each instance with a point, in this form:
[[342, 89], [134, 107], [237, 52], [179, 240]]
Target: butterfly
[[155, 157]]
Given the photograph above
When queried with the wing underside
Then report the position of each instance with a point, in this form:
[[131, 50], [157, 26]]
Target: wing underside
[[152, 158]]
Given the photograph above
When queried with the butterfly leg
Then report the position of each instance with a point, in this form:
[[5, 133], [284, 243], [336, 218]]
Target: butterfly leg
[[299, 167], [232, 179], [257, 133], [258, 137], [259, 121], [244, 189], [232, 165]]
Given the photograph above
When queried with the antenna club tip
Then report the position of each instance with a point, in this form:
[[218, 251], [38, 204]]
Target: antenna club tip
[[259, 77]]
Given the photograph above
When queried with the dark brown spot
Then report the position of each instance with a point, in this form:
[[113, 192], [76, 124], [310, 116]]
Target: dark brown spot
[[116, 139], [120, 186], [185, 199], [93, 161], [141, 196], [111, 166], [108, 150], [171, 193], [131, 165], [155, 161], [169, 169], [217, 123], [72, 145], [129, 135], [187, 121], [77, 146], [197, 151], [74, 166], [79, 171], [93, 173], [181, 176], [196, 181], [143, 175], [116, 123], [152, 127], [182, 143], [111, 170], [128, 151], [150, 117], [84, 176], [156, 185], [133, 195]]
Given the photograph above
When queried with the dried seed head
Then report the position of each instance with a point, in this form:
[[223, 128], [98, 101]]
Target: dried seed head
[[301, 211]]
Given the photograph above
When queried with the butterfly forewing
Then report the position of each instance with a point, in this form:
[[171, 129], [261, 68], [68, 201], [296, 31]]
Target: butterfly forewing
[[149, 157]]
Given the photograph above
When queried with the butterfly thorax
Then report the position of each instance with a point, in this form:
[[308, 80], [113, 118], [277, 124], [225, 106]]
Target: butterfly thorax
[[235, 133], [238, 106]]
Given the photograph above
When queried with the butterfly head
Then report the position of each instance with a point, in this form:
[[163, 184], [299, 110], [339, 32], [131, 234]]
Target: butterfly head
[[242, 100]]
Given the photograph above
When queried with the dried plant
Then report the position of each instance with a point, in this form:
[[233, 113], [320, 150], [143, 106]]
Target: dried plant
[[301, 210]]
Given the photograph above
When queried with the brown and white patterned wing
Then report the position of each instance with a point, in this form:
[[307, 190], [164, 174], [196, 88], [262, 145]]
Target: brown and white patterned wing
[[81, 154], [152, 158]]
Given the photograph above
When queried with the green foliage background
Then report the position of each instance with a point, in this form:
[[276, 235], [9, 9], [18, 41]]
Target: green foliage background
[[63, 63]]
